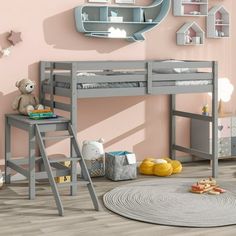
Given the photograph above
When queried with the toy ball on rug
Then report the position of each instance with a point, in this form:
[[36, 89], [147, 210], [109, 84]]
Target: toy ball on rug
[[160, 167]]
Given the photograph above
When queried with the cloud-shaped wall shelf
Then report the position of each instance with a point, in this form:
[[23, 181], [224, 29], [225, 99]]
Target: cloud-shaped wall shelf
[[115, 21]]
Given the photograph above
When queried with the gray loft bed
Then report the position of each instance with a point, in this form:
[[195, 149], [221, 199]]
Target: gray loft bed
[[91, 79]]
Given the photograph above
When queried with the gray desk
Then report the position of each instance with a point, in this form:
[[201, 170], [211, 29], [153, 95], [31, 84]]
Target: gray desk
[[24, 123], [36, 131]]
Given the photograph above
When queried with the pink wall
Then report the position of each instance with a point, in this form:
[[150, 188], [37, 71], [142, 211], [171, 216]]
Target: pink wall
[[136, 123]]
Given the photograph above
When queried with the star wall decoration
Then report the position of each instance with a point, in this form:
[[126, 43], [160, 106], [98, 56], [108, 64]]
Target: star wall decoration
[[6, 52], [15, 37]]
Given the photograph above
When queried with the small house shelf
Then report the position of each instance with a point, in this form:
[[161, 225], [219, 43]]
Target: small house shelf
[[218, 22], [190, 7], [190, 34], [119, 21]]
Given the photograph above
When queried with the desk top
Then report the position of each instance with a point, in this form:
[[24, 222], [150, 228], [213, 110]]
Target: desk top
[[28, 121]]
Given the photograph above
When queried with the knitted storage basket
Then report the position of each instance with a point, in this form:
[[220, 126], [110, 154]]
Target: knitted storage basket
[[96, 167]]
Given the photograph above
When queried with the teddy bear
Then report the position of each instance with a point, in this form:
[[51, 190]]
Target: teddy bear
[[27, 101], [94, 156], [92, 149]]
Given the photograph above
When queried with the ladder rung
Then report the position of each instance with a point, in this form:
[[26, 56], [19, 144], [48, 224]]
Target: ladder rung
[[84, 182], [55, 160], [57, 137]]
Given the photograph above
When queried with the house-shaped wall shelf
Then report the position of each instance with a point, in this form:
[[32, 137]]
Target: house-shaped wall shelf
[[218, 22], [119, 21], [190, 7], [190, 34]]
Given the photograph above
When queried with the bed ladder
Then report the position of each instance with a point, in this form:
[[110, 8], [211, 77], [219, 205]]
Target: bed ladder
[[49, 163]]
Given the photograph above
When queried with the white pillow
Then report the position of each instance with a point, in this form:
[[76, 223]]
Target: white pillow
[[174, 70]]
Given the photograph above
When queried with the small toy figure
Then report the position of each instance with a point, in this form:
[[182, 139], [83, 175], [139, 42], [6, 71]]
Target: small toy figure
[[85, 16], [205, 110], [188, 38]]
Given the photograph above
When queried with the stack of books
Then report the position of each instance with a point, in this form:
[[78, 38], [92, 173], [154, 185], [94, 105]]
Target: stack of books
[[41, 114]]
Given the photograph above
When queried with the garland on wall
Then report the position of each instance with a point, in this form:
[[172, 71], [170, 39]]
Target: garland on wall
[[14, 38]]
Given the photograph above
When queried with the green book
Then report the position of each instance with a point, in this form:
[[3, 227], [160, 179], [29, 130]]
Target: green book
[[45, 115]]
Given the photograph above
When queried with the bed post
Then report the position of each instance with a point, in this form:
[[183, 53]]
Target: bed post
[[215, 120], [73, 118], [42, 77], [172, 135], [73, 112]]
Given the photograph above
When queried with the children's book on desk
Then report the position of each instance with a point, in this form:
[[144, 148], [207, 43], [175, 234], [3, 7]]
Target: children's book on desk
[[41, 114]]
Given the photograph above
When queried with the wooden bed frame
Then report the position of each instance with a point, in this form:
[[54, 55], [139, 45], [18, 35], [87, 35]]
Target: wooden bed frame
[[66, 72]]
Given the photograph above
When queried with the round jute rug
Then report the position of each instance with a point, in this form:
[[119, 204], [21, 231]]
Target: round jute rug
[[167, 201]]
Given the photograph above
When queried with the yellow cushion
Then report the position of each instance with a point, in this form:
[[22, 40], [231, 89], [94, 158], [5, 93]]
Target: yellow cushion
[[177, 166], [167, 159], [146, 167], [163, 169], [160, 161], [149, 159]]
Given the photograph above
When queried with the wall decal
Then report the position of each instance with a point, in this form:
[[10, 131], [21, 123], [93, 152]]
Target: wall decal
[[14, 38], [6, 51]]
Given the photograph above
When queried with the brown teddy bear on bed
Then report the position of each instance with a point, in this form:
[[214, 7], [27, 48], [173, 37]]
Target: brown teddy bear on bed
[[26, 102]]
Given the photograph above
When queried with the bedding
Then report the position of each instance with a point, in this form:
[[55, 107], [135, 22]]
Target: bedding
[[134, 84]]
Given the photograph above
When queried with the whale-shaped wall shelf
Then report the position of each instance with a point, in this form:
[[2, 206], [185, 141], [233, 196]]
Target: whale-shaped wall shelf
[[118, 21]]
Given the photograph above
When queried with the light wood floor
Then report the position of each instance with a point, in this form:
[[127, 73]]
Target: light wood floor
[[20, 216]]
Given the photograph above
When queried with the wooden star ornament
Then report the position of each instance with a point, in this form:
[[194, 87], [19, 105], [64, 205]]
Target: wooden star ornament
[[6, 52], [15, 37]]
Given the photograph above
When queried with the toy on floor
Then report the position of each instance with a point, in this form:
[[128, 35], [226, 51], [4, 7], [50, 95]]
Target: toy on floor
[[27, 101], [94, 156], [207, 186], [64, 179], [42, 114], [160, 167], [205, 110]]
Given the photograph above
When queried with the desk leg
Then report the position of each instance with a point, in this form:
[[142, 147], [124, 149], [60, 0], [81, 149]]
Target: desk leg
[[7, 151], [41, 167], [74, 182], [31, 163]]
